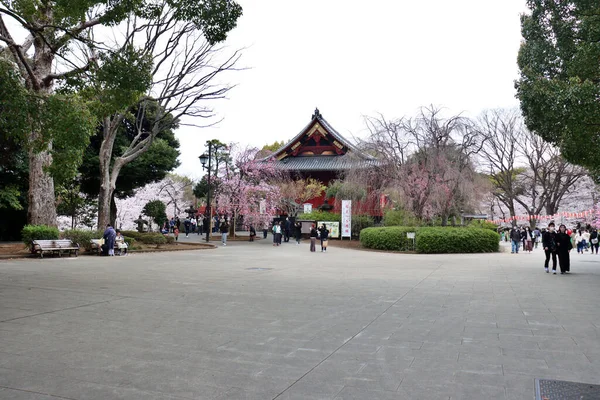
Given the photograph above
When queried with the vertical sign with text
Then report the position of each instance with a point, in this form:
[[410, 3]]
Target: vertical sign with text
[[346, 218]]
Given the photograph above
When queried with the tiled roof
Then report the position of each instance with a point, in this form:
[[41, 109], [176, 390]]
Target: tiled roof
[[324, 163], [317, 117]]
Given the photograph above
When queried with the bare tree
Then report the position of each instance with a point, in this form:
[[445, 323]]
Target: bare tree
[[501, 133], [186, 77], [548, 178], [426, 160]]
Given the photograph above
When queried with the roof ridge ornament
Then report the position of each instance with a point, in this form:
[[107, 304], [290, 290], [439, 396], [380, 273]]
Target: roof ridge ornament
[[317, 114]]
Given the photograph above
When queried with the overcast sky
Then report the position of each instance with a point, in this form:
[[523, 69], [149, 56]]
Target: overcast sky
[[356, 58]]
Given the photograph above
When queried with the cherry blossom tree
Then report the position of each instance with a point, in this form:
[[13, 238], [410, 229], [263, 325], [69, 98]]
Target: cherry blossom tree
[[248, 188]]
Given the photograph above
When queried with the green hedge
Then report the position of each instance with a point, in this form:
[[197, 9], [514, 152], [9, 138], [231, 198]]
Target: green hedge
[[387, 238], [83, 237], [431, 240], [360, 222], [149, 237], [38, 232], [457, 240], [320, 216]]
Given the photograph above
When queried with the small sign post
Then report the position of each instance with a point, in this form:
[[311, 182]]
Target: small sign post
[[347, 219], [411, 236]]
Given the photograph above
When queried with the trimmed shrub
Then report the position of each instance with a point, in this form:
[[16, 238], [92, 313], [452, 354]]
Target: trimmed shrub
[[457, 240], [431, 240], [399, 218], [320, 216], [133, 234], [477, 223], [360, 222], [38, 232], [152, 238], [83, 237], [129, 240], [170, 239], [388, 238]]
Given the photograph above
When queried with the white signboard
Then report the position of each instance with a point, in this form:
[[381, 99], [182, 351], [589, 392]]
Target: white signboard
[[332, 227], [263, 206], [346, 218], [307, 208]]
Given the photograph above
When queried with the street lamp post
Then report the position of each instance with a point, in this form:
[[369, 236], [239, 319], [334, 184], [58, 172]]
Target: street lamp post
[[204, 158], [207, 211]]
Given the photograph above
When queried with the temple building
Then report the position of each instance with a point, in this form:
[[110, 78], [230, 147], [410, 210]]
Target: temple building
[[322, 153]]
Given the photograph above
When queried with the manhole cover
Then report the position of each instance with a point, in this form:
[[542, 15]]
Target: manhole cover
[[258, 269], [549, 389]]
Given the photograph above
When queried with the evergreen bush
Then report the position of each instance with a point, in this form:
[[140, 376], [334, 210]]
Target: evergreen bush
[[82, 237], [38, 232], [431, 240], [387, 238], [360, 222], [320, 216], [457, 240]]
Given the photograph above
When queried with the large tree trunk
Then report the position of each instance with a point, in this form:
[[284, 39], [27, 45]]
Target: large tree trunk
[[42, 207], [107, 187]]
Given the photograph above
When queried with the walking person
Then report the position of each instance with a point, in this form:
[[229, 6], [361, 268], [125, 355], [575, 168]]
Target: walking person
[[578, 241], [528, 239], [265, 230], [313, 238], [298, 232], [515, 238], [324, 234], [276, 234], [586, 239], [549, 245], [564, 246], [287, 230], [176, 233], [109, 239], [186, 225], [594, 241], [224, 228], [536, 237], [252, 233]]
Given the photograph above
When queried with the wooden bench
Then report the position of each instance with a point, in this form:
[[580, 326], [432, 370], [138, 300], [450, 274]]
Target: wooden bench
[[54, 246], [96, 245]]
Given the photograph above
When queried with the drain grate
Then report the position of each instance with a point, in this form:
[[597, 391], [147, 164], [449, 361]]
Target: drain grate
[[549, 389], [258, 269]]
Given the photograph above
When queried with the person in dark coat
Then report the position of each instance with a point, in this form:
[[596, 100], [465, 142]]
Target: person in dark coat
[[594, 241], [313, 238], [298, 231], [252, 233], [224, 229], [187, 224], [564, 246], [324, 234], [515, 238], [549, 245], [287, 230], [109, 239]]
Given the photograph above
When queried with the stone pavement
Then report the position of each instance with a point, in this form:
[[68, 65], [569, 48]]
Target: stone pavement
[[251, 321]]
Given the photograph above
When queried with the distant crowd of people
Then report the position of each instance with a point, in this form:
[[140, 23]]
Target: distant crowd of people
[[556, 244], [284, 230]]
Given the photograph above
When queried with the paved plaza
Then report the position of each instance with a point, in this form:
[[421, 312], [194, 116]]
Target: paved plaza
[[251, 321]]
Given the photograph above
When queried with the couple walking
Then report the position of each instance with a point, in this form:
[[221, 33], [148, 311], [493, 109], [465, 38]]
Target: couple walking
[[557, 244], [322, 233]]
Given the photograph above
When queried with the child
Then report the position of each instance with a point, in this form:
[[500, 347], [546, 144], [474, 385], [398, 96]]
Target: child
[[176, 232]]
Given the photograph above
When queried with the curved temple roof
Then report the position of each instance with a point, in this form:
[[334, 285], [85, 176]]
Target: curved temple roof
[[341, 154]]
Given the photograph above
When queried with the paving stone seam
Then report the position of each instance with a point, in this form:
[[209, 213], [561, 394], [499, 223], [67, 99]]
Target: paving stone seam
[[34, 392], [63, 309], [360, 331]]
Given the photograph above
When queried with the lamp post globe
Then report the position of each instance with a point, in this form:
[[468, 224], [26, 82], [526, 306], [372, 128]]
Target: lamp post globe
[[203, 159]]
